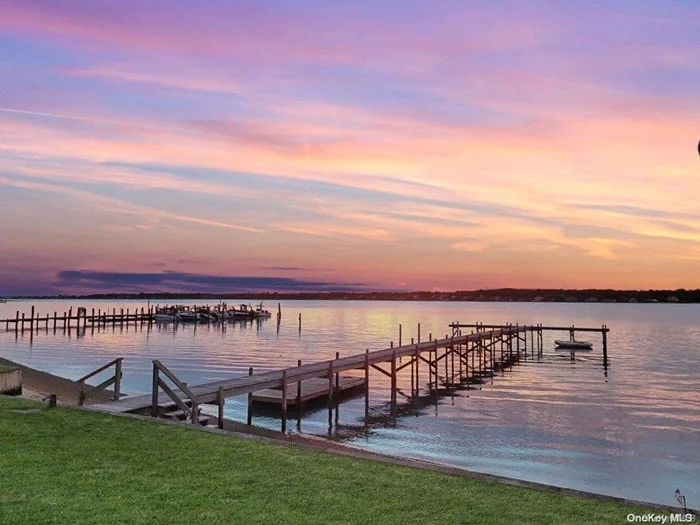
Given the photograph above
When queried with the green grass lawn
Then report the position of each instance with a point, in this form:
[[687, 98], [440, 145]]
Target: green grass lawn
[[67, 466]]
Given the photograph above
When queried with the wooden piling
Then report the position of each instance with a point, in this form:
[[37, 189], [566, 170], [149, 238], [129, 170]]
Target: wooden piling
[[400, 335], [337, 378], [298, 403], [417, 359], [284, 401], [366, 384], [330, 393], [299, 322], [249, 420], [605, 345], [154, 392], [419, 332], [393, 383], [31, 322], [117, 379], [221, 407]]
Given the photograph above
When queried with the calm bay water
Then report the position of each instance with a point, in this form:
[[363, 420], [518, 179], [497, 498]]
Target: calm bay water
[[632, 430]]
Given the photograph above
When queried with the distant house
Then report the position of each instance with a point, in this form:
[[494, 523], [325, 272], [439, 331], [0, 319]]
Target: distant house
[[672, 299]]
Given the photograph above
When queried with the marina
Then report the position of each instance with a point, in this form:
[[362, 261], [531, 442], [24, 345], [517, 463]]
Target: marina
[[156, 314]]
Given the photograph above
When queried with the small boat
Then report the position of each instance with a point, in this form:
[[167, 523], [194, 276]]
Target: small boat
[[187, 317], [563, 344], [164, 318], [261, 313], [244, 312]]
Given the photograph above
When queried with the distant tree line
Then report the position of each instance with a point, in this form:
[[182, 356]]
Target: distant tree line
[[500, 294]]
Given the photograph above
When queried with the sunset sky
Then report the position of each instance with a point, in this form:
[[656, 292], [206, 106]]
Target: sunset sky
[[225, 145]]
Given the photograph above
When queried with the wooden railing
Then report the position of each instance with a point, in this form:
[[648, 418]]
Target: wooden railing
[[191, 412], [114, 380]]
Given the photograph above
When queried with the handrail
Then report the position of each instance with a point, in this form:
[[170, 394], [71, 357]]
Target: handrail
[[532, 327], [105, 367], [113, 380], [192, 411]]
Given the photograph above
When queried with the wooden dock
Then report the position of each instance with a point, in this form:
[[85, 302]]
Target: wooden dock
[[447, 361], [80, 319]]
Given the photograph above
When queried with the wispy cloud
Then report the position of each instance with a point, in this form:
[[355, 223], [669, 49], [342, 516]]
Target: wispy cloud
[[178, 281]]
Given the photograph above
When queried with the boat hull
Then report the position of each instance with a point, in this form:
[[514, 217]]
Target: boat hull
[[562, 344]]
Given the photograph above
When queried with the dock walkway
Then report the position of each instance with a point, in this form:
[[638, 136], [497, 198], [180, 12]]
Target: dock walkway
[[481, 343]]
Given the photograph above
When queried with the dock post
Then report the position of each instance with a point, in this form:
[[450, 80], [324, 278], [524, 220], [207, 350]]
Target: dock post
[[17, 322], [400, 335], [393, 384], [337, 379], [435, 361], [284, 401], [299, 322], [221, 407], [330, 393], [452, 365], [117, 378], [298, 401], [154, 392], [366, 384], [417, 359], [419, 332], [605, 346], [413, 374], [446, 364], [466, 363], [249, 420], [31, 321], [22, 321]]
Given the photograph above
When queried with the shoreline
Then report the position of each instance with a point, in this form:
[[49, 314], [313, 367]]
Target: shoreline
[[36, 385]]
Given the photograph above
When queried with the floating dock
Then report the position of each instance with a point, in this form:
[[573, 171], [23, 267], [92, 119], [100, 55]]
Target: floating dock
[[311, 389]]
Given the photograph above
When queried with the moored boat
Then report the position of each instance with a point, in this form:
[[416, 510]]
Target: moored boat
[[187, 317], [564, 344], [261, 313]]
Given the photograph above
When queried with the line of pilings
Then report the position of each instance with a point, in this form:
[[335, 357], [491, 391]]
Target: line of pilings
[[80, 319]]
